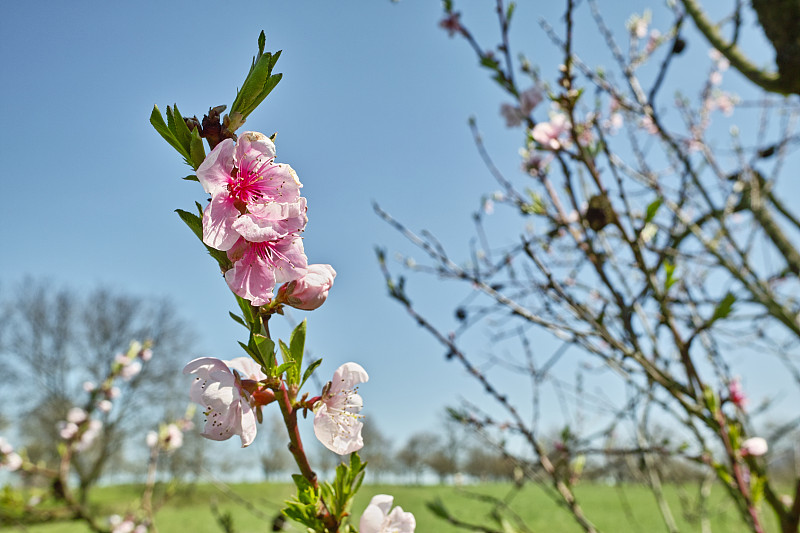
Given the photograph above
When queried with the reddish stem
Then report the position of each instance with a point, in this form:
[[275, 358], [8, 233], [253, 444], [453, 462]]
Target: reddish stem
[[295, 442]]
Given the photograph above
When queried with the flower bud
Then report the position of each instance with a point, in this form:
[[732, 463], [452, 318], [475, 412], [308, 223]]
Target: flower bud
[[754, 447], [310, 291]]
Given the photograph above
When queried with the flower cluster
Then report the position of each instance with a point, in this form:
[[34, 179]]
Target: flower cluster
[[528, 100], [79, 429], [169, 437], [256, 215], [125, 525]]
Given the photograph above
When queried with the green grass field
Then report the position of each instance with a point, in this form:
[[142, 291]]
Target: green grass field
[[612, 509]]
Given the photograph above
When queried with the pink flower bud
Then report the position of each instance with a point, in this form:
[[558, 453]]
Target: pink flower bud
[[310, 291], [736, 393], [754, 447]]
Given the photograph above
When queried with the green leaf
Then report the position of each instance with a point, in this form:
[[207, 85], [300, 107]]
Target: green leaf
[[652, 209], [157, 120], [757, 484], [489, 62], [288, 365], [305, 490], [724, 308], [196, 150], [194, 222], [180, 129], [237, 319], [247, 309], [249, 351], [722, 473], [266, 351], [510, 11], [297, 342], [310, 370], [710, 398], [669, 270], [259, 81], [191, 177], [285, 353]]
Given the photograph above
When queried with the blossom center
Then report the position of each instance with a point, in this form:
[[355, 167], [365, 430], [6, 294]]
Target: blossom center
[[246, 184], [268, 252]]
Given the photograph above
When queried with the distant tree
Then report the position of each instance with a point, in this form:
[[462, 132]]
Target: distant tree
[[276, 460], [57, 341], [414, 456], [488, 464], [377, 451]]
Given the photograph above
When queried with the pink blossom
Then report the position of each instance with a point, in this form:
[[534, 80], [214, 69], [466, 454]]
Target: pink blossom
[[310, 291], [105, 405], [529, 99], [613, 124], [89, 386], [723, 101], [638, 24], [736, 393], [754, 447], [9, 459], [648, 125], [228, 406], [76, 415], [90, 433], [173, 438], [512, 114], [379, 517], [130, 370], [67, 430], [239, 176], [548, 134], [451, 24], [336, 422], [269, 250]]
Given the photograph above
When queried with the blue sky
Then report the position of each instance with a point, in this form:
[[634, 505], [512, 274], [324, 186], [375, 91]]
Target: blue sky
[[373, 106]]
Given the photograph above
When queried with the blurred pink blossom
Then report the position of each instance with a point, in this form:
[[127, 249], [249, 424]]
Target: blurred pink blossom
[[9, 459], [736, 393], [529, 99], [549, 134], [512, 114], [451, 23], [754, 447]]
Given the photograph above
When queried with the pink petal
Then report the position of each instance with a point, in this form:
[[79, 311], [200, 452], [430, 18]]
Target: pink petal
[[348, 376], [248, 368], [256, 229], [339, 432], [219, 218], [222, 425], [252, 144], [294, 263], [252, 278], [247, 424], [215, 171]]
